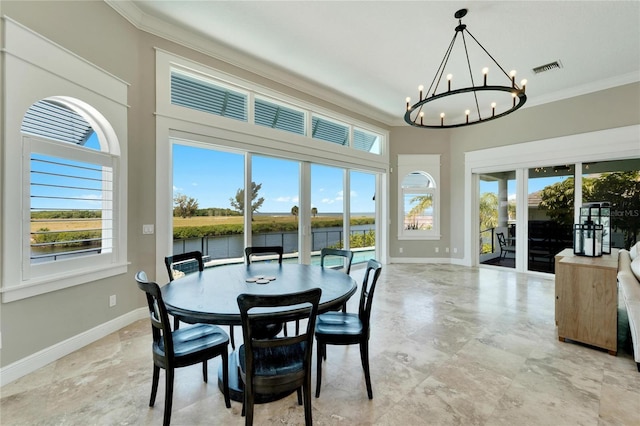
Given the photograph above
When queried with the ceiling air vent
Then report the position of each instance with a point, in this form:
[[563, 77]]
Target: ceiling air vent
[[548, 67]]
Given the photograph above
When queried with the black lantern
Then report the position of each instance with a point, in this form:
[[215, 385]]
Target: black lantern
[[587, 239], [599, 213]]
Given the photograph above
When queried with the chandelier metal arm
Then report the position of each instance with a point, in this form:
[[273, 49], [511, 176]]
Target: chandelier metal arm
[[520, 95], [466, 52], [492, 58]]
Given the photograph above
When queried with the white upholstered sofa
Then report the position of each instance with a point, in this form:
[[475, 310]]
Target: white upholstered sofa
[[629, 286]]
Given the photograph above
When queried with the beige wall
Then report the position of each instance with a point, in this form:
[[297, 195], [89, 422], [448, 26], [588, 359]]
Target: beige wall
[[97, 33]]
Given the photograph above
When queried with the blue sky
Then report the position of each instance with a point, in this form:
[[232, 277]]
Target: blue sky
[[534, 184], [212, 177]]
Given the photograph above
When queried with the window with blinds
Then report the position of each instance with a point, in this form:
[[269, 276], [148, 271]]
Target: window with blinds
[[329, 131], [276, 116], [71, 185], [365, 141], [213, 96], [68, 201], [195, 93]]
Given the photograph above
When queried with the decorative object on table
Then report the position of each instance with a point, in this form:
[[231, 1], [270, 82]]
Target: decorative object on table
[[600, 214], [587, 239], [278, 365], [339, 328], [180, 348], [444, 106]]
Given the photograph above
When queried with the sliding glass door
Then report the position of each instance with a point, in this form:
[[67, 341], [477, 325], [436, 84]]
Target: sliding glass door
[[497, 218]]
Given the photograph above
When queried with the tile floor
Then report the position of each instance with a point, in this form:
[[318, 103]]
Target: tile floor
[[449, 345]]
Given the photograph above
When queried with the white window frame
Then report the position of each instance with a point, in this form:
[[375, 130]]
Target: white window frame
[[178, 123], [428, 165], [34, 69]]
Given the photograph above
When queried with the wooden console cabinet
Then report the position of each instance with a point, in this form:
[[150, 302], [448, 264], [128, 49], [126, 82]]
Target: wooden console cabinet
[[587, 299]]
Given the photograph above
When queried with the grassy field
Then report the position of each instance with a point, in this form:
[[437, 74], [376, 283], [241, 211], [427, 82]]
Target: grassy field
[[70, 224]]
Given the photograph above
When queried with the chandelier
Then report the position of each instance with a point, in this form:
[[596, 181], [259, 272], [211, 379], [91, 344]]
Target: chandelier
[[480, 103]]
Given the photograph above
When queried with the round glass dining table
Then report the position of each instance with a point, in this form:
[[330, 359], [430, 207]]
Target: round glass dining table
[[211, 296]]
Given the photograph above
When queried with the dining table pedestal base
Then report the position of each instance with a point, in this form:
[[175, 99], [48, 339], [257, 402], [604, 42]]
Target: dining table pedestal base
[[236, 386]]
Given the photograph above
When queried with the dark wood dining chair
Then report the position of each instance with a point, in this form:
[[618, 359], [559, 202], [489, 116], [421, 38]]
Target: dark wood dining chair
[[279, 365], [250, 251], [328, 255], [180, 348], [196, 256], [269, 329], [183, 258], [340, 328]]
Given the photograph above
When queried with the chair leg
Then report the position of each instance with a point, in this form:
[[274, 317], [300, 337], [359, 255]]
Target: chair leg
[[364, 357], [176, 323], [307, 400], [154, 385], [319, 369], [205, 374], [248, 402], [168, 396], [299, 392], [225, 378], [233, 340]]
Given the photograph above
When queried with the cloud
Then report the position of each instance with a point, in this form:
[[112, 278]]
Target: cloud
[[286, 199]]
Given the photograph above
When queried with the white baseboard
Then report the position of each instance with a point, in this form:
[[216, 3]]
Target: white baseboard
[[46, 356], [420, 260]]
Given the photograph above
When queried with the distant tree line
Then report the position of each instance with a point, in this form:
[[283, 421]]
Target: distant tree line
[[67, 214]]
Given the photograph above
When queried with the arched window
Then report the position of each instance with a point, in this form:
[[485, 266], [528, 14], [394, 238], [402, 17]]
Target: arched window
[[418, 202], [64, 168], [71, 182]]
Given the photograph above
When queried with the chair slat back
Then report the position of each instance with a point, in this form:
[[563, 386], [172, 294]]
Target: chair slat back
[[169, 261], [249, 251], [257, 310], [331, 252], [366, 294]]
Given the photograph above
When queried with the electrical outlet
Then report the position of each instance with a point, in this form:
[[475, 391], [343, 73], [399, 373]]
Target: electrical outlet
[[147, 229], [437, 249], [447, 249], [112, 300], [455, 250], [400, 249]]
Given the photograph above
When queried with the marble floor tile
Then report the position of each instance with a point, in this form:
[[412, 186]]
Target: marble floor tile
[[449, 345]]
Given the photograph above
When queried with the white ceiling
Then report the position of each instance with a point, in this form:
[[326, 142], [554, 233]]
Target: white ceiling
[[369, 56]]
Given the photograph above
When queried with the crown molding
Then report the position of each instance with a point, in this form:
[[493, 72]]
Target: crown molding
[[584, 89], [222, 52]]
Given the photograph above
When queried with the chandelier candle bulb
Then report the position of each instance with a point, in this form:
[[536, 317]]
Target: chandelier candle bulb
[[420, 88], [485, 71], [523, 83], [408, 101], [466, 112], [442, 118], [449, 77], [421, 117], [493, 109], [513, 78]]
